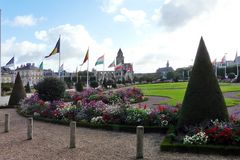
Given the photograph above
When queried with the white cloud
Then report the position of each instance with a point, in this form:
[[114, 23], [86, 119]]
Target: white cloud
[[108, 42], [156, 17], [41, 35], [175, 13], [136, 17], [219, 28], [111, 6], [25, 20], [24, 51], [120, 18], [75, 40]]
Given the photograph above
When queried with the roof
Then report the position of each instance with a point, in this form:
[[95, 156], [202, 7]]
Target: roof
[[164, 69], [6, 70], [28, 66]]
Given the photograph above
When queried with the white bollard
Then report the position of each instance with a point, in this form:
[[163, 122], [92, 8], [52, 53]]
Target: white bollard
[[7, 122], [29, 128], [72, 134], [140, 132]]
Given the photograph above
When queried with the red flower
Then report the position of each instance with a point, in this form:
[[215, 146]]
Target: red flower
[[211, 130], [161, 108], [41, 102]]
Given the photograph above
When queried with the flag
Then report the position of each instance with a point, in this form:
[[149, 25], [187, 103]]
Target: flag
[[129, 68], [100, 60], [41, 66], [112, 64], [118, 67], [86, 57], [10, 63], [235, 60], [61, 68], [223, 60], [55, 50]]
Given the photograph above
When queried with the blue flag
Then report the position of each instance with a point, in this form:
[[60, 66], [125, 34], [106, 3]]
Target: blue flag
[[10, 63]]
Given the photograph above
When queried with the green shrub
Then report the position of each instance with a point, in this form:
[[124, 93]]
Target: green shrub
[[7, 87], [27, 88], [50, 89], [79, 86], [18, 91], [94, 84], [231, 75], [203, 98]]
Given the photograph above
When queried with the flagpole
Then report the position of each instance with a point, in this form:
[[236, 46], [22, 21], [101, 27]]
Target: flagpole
[[216, 69], [225, 74], [59, 75], [77, 73], [103, 68], [237, 64], [87, 70], [0, 54]]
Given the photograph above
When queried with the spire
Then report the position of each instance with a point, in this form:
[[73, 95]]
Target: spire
[[120, 57], [167, 64]]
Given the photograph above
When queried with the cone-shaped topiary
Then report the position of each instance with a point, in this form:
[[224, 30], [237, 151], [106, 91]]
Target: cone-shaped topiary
[[203, 98], [18, 91], [28, 88]]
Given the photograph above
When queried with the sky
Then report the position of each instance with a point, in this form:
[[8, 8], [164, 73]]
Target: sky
[[149, 32]]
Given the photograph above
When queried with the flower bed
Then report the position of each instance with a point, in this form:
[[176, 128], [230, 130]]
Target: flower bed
[[101, 110], [209, 137]]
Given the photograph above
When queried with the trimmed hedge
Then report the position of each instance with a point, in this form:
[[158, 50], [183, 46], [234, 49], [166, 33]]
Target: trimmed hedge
[[111, 127], [168, 145], [203, 98]]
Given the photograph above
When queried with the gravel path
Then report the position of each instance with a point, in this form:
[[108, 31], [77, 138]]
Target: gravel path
[[50, 141]]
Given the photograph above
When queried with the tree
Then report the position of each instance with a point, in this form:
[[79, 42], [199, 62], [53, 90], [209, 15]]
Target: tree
[[79, 86], [28, 88], [94, 84], [203, 100], [18, 91], [170, 75], [50, 89]]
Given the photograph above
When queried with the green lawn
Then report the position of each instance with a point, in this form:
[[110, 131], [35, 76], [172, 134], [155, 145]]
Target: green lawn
[[176, 91]]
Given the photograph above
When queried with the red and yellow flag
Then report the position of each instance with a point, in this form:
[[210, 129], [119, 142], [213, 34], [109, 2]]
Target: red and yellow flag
[[86, 57]]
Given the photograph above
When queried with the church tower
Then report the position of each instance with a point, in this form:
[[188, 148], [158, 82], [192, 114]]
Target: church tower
[[120, 57], [167, 64]]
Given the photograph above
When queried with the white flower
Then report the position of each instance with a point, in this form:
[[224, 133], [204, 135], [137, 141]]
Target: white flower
[[199, 138]]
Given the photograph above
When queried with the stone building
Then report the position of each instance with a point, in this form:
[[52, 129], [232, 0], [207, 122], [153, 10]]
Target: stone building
[[30, 73], [126, 69], [7, 75], [162, 72], [123, 71]]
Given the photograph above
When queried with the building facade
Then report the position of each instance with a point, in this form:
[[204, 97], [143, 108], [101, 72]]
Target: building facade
[[162, 72], [121, 71], [125, 71], [7, 75], [30, 73]]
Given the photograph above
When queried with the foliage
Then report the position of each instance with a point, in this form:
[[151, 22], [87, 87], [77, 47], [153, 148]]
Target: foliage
[[94, 84], [231, 75], [6, 87], [27, 88], [50, 89], [203, 98], [95, 107], [79, 86], [18, 92]]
